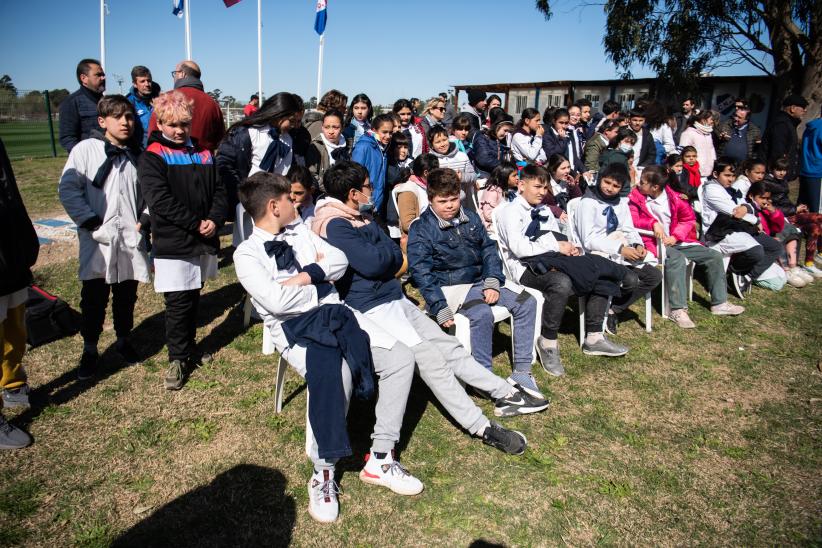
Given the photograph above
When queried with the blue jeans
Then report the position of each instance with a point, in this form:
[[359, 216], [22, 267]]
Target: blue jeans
[[523, 308]]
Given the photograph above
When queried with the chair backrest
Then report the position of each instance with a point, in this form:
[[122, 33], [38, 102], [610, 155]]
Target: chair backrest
[[494, 225], [571, 210]]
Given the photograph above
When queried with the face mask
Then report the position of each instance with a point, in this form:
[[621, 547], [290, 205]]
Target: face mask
[[625, 148], [367, 207]]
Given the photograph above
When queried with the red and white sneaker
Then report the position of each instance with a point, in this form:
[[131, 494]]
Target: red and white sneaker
[[323, 505], [390, 473]]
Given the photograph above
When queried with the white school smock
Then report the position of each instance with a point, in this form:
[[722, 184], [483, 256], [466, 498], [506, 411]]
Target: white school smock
[[716, 200], [12, 300], [260, 140], [527, 148], [115, 251], [183, 274], [591, 226], [512, 220]]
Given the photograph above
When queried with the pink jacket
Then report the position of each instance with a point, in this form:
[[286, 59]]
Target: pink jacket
[[772, 222], [704, 145], [683, 219], [489, 199]]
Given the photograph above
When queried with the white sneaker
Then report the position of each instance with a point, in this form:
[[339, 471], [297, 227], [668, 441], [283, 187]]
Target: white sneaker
[[390, 473], [799, 271], [795, 280], [727, 309], [323, 505], [681, 319], [813, 271]]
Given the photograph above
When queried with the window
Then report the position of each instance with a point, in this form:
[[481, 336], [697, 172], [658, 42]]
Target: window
[[626, 101], [556, 100], [522, 103], [594, 100]]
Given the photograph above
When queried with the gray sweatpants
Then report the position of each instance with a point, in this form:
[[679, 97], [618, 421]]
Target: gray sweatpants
[[441, 360], [395, 370], [675, 271]]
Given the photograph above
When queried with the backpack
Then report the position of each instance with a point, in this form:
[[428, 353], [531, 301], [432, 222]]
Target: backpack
[[48, 318]]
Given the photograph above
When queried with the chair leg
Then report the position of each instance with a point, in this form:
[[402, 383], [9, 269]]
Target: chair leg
[[689, 272], [582, 302], [247, 311], [279, 384], [649, 313]]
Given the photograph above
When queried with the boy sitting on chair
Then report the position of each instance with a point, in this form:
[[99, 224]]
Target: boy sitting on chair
[[369, 287], [456, 267], [286, 270]]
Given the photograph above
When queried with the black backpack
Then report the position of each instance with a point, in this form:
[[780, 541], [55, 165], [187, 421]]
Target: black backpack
[[48, 318]]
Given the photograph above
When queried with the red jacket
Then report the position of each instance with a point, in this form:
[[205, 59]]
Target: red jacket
[[773, 222], [683, 219], [207, 125]]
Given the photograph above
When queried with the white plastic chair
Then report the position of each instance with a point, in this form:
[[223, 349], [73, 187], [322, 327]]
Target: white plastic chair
[[282, 368], [662, 255], [574, 238]]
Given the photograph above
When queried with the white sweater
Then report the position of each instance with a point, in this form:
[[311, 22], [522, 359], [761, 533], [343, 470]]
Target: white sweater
[[591, 225], [512, 219], [527, 148]]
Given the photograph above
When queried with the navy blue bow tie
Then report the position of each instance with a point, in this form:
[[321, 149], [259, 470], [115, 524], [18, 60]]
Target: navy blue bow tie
[[284, 254], [612, 222], [276, 150], [537, 217], [734, 193], [510, 195]]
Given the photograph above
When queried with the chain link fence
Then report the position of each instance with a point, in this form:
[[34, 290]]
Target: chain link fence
[[28, 123]]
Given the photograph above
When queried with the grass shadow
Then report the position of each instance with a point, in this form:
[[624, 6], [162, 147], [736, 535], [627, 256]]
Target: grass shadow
[[246, 505]]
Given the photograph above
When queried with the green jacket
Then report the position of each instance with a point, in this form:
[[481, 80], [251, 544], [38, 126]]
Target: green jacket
[[592, 151]]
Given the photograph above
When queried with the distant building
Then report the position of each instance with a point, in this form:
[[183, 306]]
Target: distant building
[[717, 92]]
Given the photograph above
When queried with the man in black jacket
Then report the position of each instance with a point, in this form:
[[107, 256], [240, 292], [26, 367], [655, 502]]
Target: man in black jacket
[[644, 148], [18, 253], [780, 139], [78, 113]]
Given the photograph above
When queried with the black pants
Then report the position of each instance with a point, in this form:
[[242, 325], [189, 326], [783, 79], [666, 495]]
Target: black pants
[[556, 287], [93, 303], [639, 281], [756, 260], [181, 323]]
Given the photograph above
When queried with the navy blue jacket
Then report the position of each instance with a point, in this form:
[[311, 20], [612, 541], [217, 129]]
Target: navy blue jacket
[[487, 153], [233, 164], [554, 144], [78, 117], [462, 254], [373, 259]]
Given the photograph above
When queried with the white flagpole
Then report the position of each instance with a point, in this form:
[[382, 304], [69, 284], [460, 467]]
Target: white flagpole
[[320, 67], [188, 28], [103, 33], [260, 51]]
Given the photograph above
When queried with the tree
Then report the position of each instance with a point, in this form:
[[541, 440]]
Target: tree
[[215, 94], [5, 83], [57, 96], [312, 103], [681, 39]]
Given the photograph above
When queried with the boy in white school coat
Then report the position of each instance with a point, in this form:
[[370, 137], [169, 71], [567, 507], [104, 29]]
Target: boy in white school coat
[[99, 191], [282, 294]]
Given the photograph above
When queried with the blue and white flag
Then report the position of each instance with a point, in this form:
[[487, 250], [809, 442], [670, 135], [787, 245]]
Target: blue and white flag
[[322, 15], [178, 7]]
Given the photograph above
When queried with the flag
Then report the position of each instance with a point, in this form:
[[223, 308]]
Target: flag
[[322, 15], [229, 3], [178, 7]]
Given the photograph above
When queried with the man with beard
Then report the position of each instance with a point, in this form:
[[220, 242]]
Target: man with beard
[[78, 113]]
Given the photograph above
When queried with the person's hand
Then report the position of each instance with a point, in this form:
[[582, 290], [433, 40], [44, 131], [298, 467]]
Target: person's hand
[[801, 208], [300, 279], [684, 197], [589, 177], [629, 253], [567, 248], [459, 175], [563, 217], [724, 136], [740, 211], [669, 240], [642, 251], [491, 296], [320, 257], [139, 226], [540, 131], [448, 323], [659, 231], [561, 133], [207, 228]]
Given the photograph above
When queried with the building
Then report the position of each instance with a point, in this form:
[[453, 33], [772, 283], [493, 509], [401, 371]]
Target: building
[[717, 92]]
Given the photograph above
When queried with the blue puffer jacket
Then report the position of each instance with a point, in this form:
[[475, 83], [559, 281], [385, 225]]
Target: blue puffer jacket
[[487, 153], [450, 256], [369, 154], [143, 108]]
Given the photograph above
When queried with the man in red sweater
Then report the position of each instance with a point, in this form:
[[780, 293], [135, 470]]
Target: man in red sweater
[[207, 125]]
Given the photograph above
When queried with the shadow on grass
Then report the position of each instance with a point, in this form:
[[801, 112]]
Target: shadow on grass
[[246, 505], [148, 339]]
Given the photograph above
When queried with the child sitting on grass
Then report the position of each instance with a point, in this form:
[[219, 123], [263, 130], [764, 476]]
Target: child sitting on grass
[[456, 267], [99, 191], [187, 204]]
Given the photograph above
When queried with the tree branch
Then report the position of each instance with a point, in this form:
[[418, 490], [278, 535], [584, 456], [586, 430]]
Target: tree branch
[[757, 43]]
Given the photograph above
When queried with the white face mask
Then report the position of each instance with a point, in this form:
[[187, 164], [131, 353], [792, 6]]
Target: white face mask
[[624, 147]]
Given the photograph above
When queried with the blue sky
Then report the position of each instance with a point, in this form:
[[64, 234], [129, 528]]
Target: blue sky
[[387, 48]]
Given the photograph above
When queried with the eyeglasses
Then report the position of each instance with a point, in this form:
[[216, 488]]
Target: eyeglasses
[[438, 108], [174, 72]]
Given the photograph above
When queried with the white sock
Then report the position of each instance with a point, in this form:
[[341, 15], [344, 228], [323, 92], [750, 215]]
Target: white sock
[[592, 338], [482, 430]]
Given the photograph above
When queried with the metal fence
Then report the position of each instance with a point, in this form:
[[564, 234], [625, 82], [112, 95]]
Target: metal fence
[[28, 120]]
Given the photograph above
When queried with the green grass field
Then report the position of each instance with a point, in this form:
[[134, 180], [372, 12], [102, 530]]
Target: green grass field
[[709, 436], [29, 139]]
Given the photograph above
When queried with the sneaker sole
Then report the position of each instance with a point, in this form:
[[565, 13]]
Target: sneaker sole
[[502, 412], [366, 478], [723, 313], [85, 377], [173, 385], [554, 373], [602, 353]]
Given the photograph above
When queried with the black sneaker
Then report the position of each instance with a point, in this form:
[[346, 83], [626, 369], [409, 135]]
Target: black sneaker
[[127, 352], [519, 403], [16, 397], [89, 363], [507, 441], [611, 323]]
